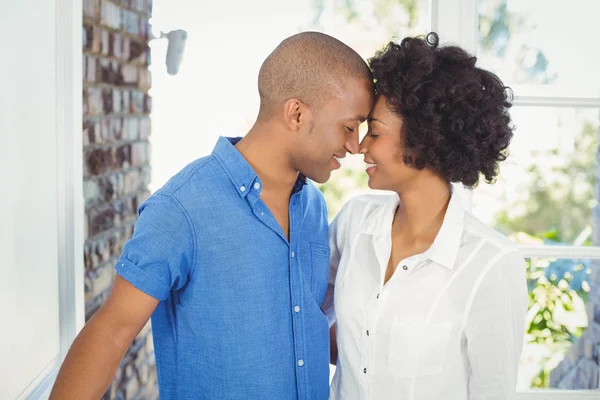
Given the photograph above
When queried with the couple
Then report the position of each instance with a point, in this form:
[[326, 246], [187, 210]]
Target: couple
[[234, 260]]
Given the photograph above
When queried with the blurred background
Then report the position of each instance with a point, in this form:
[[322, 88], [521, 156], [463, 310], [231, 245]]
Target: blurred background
[[112, 123]]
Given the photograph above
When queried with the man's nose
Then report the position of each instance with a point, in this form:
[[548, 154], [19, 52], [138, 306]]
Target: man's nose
[[363, 146], [351, 144]]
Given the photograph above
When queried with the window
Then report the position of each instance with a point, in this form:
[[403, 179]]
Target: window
[[41, 290], [546, 196]]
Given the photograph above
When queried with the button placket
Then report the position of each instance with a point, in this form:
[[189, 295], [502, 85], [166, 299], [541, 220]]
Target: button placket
[[408, 265], [367, 347], [369, 322], [297, 301]]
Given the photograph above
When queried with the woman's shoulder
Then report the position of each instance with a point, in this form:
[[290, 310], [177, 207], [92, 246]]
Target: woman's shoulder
[[499, 242], [364, 207], [368, 203]]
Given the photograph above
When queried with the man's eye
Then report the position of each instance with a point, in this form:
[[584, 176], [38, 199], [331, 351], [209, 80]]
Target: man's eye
[[349, 129]]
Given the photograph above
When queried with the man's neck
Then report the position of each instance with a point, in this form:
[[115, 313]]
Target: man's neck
[[265, 149]]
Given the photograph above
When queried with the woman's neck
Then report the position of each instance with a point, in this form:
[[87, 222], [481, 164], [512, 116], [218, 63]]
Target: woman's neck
[[422, 208]]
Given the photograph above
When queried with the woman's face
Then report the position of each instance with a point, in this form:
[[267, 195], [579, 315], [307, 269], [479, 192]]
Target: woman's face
[[383, 149]]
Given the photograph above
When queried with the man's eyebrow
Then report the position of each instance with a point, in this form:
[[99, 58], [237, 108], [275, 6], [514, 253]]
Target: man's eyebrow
[[377, 120]]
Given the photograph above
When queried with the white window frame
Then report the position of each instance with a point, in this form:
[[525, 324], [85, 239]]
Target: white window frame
[[68, 17], [456, 21]]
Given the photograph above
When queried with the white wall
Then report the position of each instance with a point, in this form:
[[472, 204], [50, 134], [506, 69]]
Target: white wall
[[41, 216]]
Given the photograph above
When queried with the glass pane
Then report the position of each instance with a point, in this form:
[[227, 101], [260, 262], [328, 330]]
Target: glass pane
[[536, 43], [545, 190], [555, 325]]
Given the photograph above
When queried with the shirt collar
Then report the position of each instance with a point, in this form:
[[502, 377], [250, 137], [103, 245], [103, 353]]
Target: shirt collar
[[446, 243], [237, 168], [378, 220]]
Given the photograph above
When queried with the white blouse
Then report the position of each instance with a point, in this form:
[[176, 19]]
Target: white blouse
[[448, 325]]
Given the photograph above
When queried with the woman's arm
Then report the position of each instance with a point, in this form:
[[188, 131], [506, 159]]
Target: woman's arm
[[495, 328], [333, 351], [337, 235]]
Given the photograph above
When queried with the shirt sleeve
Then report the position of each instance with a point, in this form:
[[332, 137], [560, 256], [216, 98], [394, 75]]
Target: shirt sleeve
[[337, 234], [160, 255], [495, 329]]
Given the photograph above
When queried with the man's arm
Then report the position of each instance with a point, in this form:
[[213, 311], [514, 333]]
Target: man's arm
[[94, 357], [155, 261]]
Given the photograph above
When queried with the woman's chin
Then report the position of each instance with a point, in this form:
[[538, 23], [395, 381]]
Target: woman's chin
[[373, 184]]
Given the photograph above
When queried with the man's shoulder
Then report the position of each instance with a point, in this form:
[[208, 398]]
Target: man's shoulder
[[198, 171]]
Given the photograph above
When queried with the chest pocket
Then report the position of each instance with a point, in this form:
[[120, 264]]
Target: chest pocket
[[319, 260], [418, 350]]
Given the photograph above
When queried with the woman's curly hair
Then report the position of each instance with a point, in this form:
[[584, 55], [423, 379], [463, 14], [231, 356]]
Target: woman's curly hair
[[455, 115]]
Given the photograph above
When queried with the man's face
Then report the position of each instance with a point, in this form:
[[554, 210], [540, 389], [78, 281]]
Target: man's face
[[333, 130]]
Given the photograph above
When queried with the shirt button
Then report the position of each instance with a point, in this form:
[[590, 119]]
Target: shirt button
[[367, 333], [405, 267], [257, 186], [300, 363], [365, 370], [377, 295], [297, 308], [242, 188], [293, 254]]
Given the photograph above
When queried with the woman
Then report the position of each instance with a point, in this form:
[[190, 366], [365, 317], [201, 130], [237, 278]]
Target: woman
[[430, 302]]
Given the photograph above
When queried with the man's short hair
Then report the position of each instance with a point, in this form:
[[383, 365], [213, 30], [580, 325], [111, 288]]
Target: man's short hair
[[309, 66]]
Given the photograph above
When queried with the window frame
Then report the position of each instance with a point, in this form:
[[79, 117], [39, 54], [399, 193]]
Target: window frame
[[70, 212], [457, 21]]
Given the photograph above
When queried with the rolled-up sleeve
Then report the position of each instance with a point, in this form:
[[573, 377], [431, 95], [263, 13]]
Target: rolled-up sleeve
[[160, 255], [495, 328]]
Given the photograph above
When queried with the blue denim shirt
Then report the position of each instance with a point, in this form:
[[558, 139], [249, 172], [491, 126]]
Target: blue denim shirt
[[239, 314]]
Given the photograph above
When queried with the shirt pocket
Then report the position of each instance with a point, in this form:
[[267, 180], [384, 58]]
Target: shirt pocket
[[319, 257], [418, 349]]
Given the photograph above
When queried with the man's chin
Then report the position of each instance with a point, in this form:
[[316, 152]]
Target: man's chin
[[319, 177], [321, 180]]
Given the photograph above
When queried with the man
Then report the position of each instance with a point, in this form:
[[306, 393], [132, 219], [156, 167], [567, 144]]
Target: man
[[230, 257]]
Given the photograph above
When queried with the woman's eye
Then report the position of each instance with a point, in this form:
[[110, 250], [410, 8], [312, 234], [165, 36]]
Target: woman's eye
[[349, 129]]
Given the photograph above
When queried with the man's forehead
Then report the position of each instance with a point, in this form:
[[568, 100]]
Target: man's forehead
[[357, 117]]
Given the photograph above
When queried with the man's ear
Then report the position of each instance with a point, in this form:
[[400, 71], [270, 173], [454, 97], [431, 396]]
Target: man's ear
[[296, 114]]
